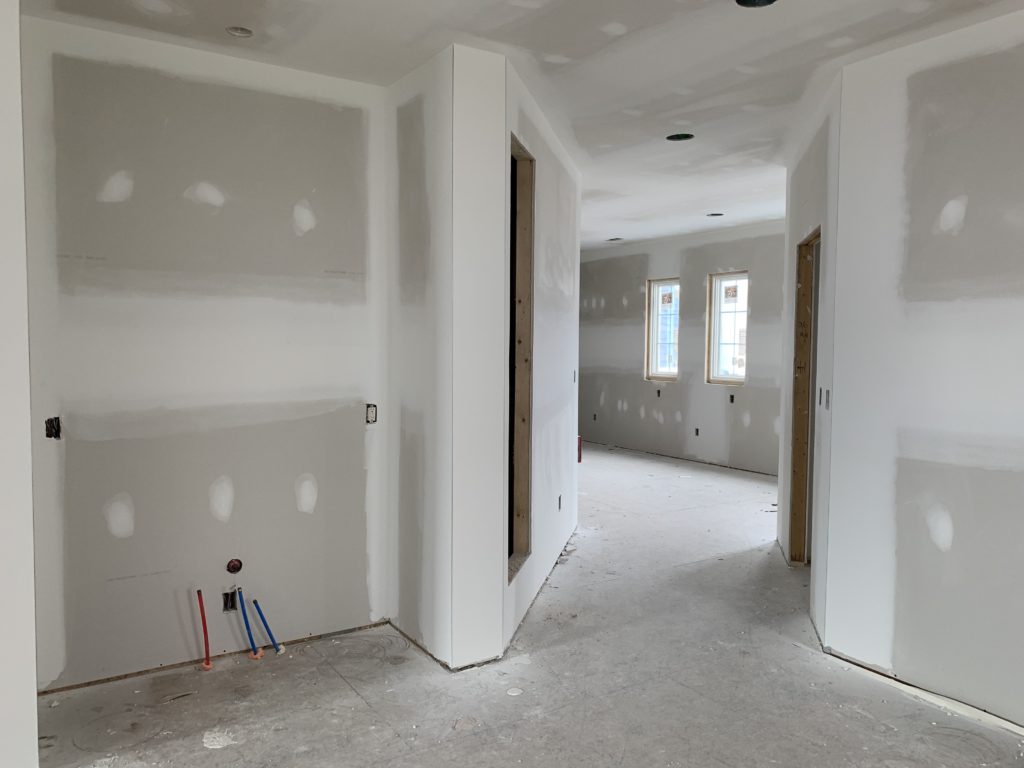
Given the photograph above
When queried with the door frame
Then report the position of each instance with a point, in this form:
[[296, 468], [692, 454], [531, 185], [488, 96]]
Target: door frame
[[805, 342]]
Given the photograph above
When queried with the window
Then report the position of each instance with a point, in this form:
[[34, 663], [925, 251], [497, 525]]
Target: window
[[663, 329], [727, 328]]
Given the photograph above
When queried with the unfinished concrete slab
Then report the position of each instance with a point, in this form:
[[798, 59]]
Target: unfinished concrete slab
[[670, 634]]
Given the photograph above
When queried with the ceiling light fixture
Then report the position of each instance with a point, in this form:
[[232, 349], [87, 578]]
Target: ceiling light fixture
[[754, 3], [614, 240], [242, 32], [680, 137], [715, 215]]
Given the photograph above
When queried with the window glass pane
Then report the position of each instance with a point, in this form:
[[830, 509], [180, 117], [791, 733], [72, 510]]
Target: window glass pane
[[663, 328], [727, 348]]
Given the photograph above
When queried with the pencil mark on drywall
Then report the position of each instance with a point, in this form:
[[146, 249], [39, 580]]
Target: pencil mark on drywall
[[222, 498], [303, 218], [119, 512], [117, 188], [306, 493], [207, 194]]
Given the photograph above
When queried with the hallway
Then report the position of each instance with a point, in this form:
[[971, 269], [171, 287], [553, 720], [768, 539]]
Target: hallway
[[672, 635]]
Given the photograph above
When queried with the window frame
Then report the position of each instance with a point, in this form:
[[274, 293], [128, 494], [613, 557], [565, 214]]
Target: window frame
[[649, 328], [713, 314]]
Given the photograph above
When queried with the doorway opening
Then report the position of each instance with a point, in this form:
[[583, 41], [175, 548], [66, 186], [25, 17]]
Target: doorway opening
[[805, 343], [520, 385]]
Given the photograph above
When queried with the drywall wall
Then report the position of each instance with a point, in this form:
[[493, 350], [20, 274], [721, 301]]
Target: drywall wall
[[450, 356], [479, 353], [619, 407], [556, 347], [17, 695], [421, 353], [209, 319], [811, 205], [924, 510]]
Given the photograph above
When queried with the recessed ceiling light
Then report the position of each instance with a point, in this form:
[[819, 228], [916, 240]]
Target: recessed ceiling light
[[243, 32], [755, 3], [715, 215], [680, 137]]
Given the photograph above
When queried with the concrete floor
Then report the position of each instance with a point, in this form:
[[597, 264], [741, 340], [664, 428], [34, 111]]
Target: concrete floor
[[673, 635]]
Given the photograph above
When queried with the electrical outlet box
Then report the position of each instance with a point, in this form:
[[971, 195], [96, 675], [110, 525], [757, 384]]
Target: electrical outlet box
[[371, 413], [53, 429], [230, 600]]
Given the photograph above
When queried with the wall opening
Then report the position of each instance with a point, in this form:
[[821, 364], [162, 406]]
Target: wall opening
[[805, 343], [520, 385]]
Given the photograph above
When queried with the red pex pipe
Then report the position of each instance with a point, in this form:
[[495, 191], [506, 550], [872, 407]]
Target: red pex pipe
[[206, 666]]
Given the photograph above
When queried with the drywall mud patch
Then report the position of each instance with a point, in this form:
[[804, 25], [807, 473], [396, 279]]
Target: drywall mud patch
[[414, 230], [164, 176], [959, 533], [200, 497], [614, 289], [965, 204]]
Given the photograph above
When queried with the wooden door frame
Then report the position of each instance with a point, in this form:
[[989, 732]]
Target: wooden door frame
[[520, 467], [802, 444]]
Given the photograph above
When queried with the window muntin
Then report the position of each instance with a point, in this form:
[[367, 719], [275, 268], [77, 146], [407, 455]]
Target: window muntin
[[728, 307], [663, 329]]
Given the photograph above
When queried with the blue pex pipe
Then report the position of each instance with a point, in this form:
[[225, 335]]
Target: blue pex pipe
[[277, 646], [248, 629]]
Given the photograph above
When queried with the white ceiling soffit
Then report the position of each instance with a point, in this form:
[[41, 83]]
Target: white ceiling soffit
[[623, 74]]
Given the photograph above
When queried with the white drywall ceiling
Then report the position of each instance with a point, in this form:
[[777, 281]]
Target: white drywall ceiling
[[623, 73]]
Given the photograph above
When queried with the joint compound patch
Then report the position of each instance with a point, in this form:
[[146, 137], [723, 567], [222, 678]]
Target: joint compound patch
[[303, 218], [306, 493], [218, 739], [205, 193], [222, 498], [940, 526], [118, 188], [119, 512]]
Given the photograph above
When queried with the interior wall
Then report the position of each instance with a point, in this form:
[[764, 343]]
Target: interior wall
[[421, 353], [17, 695], [619, 407], [811, 206], [923, 560], [208, 306], [480, 354], [556, 348]]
